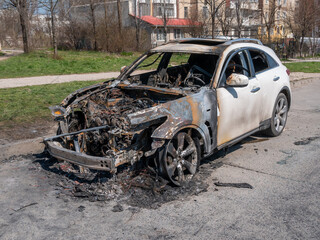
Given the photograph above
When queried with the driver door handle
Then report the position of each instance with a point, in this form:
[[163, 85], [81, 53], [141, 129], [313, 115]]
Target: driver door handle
[[256, 89], [276, 78]]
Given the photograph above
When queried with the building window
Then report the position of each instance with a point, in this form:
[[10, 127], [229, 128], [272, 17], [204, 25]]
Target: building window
[[177, 34], [159, 8], [205, 12], [170, 12], [144, 9], [160, 34], [185, 12]]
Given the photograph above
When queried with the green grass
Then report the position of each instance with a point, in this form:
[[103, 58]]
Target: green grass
[[307, 67], [1, 54], [41, 63], [27, 104]]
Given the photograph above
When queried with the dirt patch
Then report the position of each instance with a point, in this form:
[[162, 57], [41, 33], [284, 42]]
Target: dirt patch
[[11, 132], [141, 188]]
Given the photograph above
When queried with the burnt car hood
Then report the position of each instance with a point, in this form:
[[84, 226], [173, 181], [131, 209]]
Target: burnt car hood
[[183, 108]]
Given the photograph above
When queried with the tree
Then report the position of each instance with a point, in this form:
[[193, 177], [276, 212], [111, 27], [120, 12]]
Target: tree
[[196, 24], [51, 7], [213, 10], [302, 20], [25, 9], [9, 27], [268, 17], [165, 18], [106, 24], [92, 7], [225, 18], [119, 10], [305, 16], [137, 23]]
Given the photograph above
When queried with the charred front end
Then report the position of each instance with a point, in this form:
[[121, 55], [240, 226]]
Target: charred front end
[[95, 129]]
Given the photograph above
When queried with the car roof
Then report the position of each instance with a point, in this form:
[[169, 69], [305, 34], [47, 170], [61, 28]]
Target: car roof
[[201, 45]]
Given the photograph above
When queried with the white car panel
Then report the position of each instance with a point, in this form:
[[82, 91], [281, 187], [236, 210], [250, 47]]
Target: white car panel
[[238, 110]]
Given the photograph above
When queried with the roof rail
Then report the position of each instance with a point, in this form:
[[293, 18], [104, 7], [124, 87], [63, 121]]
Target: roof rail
[[244, 40]]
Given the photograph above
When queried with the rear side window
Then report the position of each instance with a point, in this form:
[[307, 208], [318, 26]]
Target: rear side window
[[272, 62], [259, 60]]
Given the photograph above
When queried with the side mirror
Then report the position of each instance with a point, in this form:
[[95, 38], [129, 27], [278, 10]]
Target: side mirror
[[237, 80], [122, 69]]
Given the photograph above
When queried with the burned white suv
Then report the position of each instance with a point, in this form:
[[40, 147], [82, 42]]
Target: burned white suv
[[176, 104]]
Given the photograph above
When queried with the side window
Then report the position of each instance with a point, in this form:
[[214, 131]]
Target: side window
[[237, 64], [272, 62], [259, 60]]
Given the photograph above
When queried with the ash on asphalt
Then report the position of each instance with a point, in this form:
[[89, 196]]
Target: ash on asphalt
[[141, 188], [305, 141]]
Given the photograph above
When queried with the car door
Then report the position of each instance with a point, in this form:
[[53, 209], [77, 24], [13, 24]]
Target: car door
[[269, 76], [238, 107]]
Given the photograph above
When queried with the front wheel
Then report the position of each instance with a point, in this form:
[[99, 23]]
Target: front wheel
[[279, 116], [179, 159]]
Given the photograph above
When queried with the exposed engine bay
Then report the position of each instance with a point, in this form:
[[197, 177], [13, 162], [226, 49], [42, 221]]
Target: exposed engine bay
[[110, 107]]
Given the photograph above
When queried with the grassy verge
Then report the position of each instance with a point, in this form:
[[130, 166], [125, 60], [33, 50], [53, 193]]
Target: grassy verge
[[307, 67], [28, 104], [41, 63]]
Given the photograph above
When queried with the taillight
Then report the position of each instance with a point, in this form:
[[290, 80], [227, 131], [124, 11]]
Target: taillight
[[288, 72]]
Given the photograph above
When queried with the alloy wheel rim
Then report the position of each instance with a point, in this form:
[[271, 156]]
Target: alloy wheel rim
[[181, 158], [280, 115]]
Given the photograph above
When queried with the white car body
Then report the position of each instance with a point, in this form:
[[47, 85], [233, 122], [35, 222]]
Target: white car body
[[242, 114]]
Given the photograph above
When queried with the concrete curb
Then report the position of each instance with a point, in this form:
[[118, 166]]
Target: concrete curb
[[302, 81], [36, 145]]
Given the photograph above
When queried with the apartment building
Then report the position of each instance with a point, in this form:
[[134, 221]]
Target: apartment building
[[165, 20], [275, 13]]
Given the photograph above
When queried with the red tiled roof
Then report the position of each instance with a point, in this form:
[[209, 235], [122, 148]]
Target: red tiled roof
[[171, 21]]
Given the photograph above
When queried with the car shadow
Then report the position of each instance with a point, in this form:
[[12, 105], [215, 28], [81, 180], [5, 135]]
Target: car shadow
[[216, 158]]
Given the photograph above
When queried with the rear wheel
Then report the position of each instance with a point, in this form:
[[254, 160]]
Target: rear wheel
[[179, 159], [279, 116]]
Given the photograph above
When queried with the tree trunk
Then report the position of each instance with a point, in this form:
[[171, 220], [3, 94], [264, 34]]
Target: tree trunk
[[106, 24], [137, 36], [213, 17], [269, 34], [54, 39], [137, 25], [301, 45], [24, 29], [94, 26], [119, 17]]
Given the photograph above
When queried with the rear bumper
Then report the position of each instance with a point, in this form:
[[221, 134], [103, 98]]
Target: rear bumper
[[92, 162]]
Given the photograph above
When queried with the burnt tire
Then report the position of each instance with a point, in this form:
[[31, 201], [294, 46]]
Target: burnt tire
[[179, 158], [279, 116]]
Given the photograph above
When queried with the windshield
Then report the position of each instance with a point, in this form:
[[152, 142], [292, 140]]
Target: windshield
[[174, 70]]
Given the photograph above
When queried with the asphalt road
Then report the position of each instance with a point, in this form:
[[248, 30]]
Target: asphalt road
[[283, 204]]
